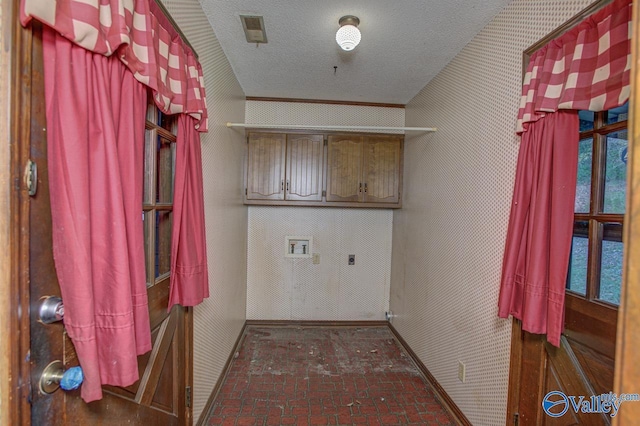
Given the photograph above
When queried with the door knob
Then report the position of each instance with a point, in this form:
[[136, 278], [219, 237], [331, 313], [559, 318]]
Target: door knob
[[51, 309], [54, 376]]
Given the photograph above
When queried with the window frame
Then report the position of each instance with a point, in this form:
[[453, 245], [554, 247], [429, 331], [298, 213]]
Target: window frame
[[596, 218], [158, 126]]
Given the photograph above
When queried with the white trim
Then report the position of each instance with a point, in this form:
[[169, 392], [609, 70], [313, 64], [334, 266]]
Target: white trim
[[329, 127]]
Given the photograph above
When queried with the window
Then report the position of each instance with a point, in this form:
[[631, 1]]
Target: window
[[157, 203], [595, 268]]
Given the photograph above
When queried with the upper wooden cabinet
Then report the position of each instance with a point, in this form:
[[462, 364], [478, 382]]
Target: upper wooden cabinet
[[364, 169], [304, 177], [347, 170], [381, 170], [344, 168], [285, 167], [265, 166]]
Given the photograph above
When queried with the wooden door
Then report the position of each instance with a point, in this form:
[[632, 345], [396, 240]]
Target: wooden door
[[304, 177], [161, 396], [583, 365], [344, 168], [382, 169], [266, 166]]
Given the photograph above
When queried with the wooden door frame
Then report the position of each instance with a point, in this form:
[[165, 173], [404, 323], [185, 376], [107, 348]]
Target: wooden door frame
[[15, 134], [15, 91], [627, 369], [6, 354]]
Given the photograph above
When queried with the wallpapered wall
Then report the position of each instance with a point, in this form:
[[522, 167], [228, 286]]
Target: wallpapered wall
[[218, 321], [448, 239], [285, 288]]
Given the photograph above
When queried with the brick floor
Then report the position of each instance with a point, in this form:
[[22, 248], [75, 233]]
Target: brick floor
[[324, 376]]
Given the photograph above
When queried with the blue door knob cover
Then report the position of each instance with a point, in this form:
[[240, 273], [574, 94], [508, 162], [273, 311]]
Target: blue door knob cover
[[72, 378]]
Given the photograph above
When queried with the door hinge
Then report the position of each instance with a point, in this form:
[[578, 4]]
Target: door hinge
[[516, 419], [187, 396], [31, 177]]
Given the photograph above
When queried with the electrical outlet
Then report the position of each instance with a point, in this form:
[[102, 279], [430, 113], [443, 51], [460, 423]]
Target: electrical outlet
[[316, 258], [462, 372], [352, 259]]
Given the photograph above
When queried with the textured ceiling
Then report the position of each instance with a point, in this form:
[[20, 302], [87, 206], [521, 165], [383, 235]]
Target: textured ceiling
[[405, 43]]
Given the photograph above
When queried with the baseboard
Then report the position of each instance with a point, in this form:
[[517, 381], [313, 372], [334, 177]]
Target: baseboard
[[204, 416], [442, 395], [307, 323]]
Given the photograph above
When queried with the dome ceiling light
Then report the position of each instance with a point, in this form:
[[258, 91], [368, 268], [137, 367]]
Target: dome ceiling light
[[348, 35]]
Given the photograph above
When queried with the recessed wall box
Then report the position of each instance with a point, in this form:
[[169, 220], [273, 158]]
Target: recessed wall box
[[297, 246]]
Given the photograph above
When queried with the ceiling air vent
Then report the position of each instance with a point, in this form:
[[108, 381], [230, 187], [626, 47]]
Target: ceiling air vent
[[254, 28]]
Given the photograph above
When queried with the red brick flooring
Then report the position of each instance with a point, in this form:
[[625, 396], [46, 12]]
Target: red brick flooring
[[324, 375]]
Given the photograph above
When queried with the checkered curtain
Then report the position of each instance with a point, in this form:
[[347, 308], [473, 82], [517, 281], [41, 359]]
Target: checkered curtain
[[586, 68], [139, 34]]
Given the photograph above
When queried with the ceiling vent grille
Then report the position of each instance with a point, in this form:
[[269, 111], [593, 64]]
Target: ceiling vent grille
[[253, 26]]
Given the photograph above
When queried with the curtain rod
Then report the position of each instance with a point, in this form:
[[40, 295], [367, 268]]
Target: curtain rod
[[298, 126]]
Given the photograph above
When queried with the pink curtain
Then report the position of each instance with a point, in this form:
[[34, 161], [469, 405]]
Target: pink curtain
[[95, 134], [586, 68], [137, 33], [189, 274], [536, 258]]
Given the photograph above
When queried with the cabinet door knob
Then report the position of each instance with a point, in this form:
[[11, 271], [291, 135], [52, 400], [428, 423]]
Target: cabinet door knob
[[287, 185], [365, 187], [360, 187], [282, 185]]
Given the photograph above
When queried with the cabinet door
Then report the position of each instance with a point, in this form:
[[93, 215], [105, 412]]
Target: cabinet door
[[382, 169], [344, 168], [304, 176], [265, 166]]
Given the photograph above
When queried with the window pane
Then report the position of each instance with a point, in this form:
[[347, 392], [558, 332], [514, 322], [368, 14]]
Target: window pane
[[147, 218], [611, 263], [169, 122], [583, 185], [586, 120], [163, 242], [618, 114], [164, 170], [147, 193], [152, 110], [577, 277], [616, 173]]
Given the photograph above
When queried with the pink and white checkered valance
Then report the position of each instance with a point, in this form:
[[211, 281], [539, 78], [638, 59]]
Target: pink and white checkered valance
[[586, 68], [143, 39]]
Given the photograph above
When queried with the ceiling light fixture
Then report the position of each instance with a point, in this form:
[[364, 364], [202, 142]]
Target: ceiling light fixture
[[348, 35]]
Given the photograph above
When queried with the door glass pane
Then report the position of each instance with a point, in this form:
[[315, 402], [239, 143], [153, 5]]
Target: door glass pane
[[586, 120], [147, 217], [583, 184], [611, 263], [164, 171], [168, 122], [147, 193], [163, 242], [577, 277], [616, 173], [618, 114]]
